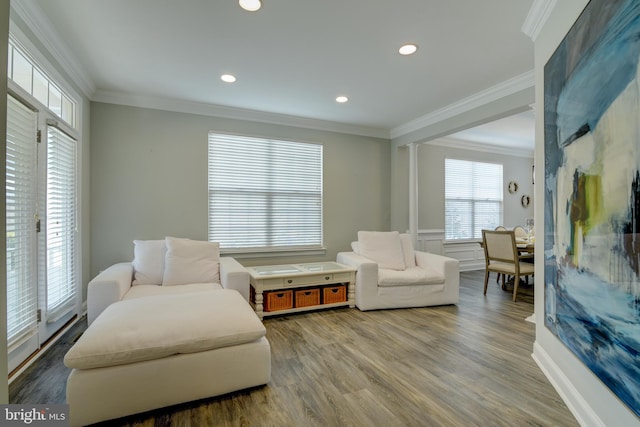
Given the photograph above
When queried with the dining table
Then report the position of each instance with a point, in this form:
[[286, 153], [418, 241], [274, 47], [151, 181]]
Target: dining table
[[525, 245]]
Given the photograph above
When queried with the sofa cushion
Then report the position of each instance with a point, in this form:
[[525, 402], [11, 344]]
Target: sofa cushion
[[142, 291], [413, 276], [148, 262], [407, 250], [142, 329], [383, 247], [191, 261]]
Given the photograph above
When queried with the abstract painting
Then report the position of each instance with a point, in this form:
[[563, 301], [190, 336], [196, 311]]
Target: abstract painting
[[592, 194]]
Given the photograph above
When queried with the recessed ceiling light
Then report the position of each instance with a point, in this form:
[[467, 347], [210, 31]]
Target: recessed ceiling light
[[408, 49], [228, 78], [250, 5], [342, 99]]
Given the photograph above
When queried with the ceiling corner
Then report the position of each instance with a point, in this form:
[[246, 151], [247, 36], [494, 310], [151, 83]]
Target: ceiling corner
[[501, 90], [42, 28], [538, 15]]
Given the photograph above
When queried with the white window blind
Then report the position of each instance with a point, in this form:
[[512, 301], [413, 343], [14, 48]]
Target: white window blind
[[61, 223], [21, 189], [473, 198], [264, 194]]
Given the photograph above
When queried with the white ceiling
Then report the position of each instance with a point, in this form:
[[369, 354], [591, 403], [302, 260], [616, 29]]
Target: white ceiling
[[293, 57], [517, 132]]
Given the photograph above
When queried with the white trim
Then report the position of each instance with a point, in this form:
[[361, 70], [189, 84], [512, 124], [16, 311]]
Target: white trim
[[536, 18], [183, 106], [431, 240], [272, 254], [481, 146], [468, 252], [44, 31], [42, 350], [570, 395], [413, 192], [494, 93]]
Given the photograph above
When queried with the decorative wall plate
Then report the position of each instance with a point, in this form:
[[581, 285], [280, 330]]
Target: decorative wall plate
[[513, 187], [525, 200]]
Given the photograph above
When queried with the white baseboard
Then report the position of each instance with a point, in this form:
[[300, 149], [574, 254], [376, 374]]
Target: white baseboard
[[569, 394]]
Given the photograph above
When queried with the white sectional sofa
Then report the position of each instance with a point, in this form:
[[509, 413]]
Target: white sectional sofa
[[171, 327], [144, 276]]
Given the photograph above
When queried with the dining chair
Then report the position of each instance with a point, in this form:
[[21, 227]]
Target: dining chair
[[520, 232], [501, 256], [500, 228]]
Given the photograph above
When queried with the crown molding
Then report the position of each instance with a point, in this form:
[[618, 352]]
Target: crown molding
[[39, 24], [212, 110], [481, 146], [494, 93], [536, 18]]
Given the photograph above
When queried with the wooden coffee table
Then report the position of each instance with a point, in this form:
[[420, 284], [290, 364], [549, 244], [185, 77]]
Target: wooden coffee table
[[306, 276]]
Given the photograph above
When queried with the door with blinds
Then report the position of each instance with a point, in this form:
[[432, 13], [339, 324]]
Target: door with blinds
[[21, 223], [41, 214], [57, 238]]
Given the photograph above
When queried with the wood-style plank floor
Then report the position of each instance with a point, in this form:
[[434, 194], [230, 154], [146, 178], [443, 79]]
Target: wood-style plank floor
[[464, 365]]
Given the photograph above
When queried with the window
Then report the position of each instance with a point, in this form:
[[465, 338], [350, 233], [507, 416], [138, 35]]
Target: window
[[61, 222], [264, 194], [23, 71], [473, 198]]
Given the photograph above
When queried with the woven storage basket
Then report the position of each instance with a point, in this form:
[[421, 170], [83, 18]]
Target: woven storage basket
[[334, 294], [307, 297], [278, 300]]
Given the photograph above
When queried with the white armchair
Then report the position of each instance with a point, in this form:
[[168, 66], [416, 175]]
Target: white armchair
[[391, 274]]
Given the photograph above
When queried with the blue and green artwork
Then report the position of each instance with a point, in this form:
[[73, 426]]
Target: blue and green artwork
[[592, 194]]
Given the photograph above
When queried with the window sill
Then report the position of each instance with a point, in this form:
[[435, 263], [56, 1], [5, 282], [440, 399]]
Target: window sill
[[462, 241], [272, 253]]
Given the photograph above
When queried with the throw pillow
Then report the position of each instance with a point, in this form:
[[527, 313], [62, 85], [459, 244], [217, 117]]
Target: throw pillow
[[407, 250], [383, 247], [191, 261], [148, 262]]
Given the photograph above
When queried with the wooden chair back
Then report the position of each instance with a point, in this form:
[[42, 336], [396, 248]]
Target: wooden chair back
[[499, 245], [501, 256]]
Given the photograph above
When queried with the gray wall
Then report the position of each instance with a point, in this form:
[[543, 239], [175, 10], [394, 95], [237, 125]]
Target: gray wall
[[431, 183], [149, 180], [503, 107]]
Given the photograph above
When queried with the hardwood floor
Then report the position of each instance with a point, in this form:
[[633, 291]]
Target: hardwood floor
[[464, 365]]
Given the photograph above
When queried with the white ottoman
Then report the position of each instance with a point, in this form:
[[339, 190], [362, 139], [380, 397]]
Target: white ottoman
[[152, 352]]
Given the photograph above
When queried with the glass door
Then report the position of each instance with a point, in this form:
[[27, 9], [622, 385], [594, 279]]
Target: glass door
[[21, 228]]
